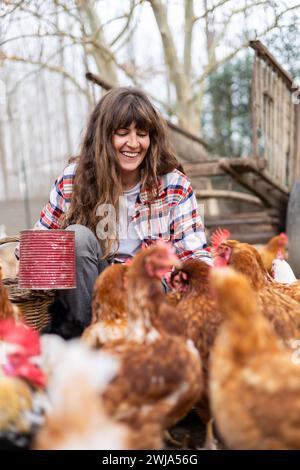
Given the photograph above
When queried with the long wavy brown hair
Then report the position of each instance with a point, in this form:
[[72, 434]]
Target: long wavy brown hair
[[98, 177]]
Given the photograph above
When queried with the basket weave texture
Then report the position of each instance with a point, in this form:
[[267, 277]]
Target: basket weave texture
[[34, 304]]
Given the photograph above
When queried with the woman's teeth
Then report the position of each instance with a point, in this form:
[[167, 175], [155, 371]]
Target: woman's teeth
[[130, 154]]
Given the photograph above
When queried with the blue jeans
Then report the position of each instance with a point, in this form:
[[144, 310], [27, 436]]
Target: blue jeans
[[72, 310]]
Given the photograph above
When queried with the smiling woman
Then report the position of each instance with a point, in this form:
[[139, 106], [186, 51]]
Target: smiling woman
[[127, 180], [131, 145]]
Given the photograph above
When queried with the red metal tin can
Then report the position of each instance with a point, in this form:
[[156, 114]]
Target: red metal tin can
[[47, 259]]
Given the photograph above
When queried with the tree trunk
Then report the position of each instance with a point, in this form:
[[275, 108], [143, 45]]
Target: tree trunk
[[101, 54], [3, 160]]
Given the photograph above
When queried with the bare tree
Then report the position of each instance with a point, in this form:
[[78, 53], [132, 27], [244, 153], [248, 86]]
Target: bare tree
[[187, 63], [189, 85], [185, 73]]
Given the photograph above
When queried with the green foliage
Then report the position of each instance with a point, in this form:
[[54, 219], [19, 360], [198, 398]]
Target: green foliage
[[226, 118], [284, 44]]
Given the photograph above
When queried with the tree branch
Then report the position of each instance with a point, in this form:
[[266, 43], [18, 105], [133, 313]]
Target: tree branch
[[210, 67], [210, 10], [188, 36], [175, 69], [51, 68], [127, 24]]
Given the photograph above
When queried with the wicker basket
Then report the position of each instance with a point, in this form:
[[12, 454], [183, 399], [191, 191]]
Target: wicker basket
[[34, 304]]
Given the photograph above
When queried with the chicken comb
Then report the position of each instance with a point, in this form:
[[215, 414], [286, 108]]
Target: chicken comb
[[219, 236], [283, 238], [20, 334]]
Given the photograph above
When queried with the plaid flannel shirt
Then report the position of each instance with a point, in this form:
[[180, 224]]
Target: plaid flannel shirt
[[173, 216]]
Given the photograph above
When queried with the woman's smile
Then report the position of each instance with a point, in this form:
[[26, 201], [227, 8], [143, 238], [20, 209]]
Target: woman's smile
[[131, 145]]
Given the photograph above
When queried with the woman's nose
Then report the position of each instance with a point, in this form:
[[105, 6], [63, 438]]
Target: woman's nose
[[132, 140]]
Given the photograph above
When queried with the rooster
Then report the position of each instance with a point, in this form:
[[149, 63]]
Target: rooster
[[271, 250], [109, 308], [254, 384], [282, 311], [160, 376], [21, 381]]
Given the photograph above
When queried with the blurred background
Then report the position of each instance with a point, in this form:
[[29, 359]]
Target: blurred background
[[191, 56]]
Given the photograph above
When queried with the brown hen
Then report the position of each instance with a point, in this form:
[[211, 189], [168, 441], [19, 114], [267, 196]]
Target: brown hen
[[109, 308], [271, 250], [254, 384], [199, 310], [292, 290], [281, 310], [160, 375]]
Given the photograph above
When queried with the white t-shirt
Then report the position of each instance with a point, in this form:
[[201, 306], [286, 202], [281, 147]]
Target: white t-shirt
[[129, 243]]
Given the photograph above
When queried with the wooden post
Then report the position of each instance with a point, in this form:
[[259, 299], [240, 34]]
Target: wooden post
[[296, 137], [254, 107]]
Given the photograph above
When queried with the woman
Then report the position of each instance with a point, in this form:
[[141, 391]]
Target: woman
[[125, 189]]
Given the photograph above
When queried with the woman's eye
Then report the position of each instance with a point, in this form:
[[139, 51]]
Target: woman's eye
[[142, 134]]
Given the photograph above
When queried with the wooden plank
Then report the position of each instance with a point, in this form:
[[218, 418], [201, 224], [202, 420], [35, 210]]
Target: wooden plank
[[291, 159], [236, 223], [261, 151], [247, 166], [296, 173], [272, 145], [280, 130], [276, 174], [285, 133], [258, 215], [286, 111], [266, 111], [264, 53], [259, 237], [261, 185], [250, 227], [274, 124], [225, 194], [297, 136], [211, 167], [289, 131], [254, 107]]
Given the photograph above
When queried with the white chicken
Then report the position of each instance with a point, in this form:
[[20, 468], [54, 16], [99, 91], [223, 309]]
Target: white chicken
[[76, 419], [282, 271]]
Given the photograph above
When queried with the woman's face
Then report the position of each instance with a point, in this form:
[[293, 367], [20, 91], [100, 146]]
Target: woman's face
[[131, 145]]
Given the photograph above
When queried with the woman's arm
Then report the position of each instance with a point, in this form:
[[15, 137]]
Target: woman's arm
[[60, 197], [187, 229], [59, 200]]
